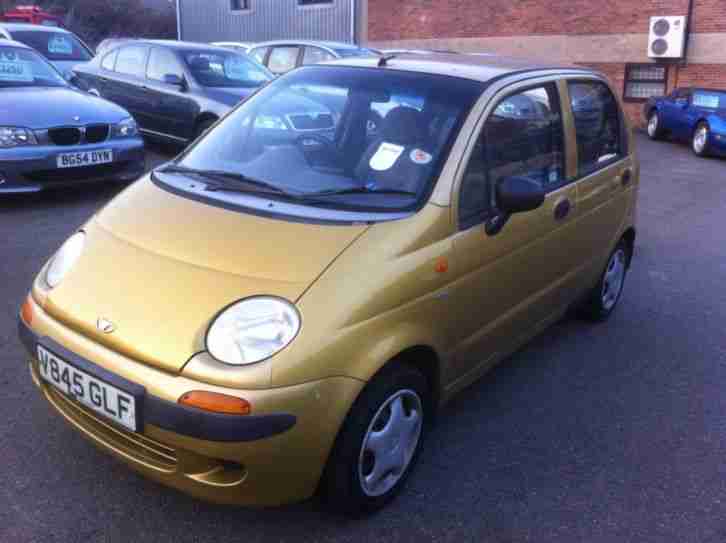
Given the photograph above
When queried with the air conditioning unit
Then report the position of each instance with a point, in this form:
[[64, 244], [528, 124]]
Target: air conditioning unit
[[667, 37]]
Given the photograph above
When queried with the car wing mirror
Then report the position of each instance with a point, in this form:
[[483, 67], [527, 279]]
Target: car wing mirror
[[176, 81], [516, 194]]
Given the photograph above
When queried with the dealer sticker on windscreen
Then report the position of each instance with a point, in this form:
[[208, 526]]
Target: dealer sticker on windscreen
[[106, 400], [86, 158], [15, 71]]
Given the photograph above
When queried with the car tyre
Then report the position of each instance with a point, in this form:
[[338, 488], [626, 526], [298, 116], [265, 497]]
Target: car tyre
[[700, 140], [602, 300], [379, 443], [655, 132]]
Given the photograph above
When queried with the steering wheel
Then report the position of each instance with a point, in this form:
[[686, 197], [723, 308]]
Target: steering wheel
[[316, 145]]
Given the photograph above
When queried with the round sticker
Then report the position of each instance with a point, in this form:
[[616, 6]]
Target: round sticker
[[420, 157]]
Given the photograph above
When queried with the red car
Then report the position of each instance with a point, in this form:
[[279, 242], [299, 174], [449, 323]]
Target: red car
[[31, 15]]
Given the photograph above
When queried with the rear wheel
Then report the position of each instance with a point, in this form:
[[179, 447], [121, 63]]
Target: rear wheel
[[700, 141], [654, 129], [379, 442], [603, 299]]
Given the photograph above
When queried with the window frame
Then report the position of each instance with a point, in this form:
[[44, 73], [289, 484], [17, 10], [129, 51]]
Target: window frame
[[630, 67], [625, 142], [466, 223], [314, 4], [245, 6], [113, 52]]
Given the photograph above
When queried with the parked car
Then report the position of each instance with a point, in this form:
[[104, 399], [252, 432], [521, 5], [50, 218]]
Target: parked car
[[695, 115], [175, 90], [31, 15], [257, 320], [239, 46], [388, 52], [52, 134], [283, 56], [61, 47]]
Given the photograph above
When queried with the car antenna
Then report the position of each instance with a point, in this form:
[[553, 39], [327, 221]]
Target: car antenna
[[383, 61]]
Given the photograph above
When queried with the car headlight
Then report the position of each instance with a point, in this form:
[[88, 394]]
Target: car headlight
[[64, 259], [126, 129], [252, 330], [13, 136]]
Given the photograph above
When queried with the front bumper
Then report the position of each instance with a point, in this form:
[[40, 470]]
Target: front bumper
[[34, 168], [268, 458]]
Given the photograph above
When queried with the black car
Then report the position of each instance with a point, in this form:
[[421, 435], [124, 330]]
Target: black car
[[174, 90]]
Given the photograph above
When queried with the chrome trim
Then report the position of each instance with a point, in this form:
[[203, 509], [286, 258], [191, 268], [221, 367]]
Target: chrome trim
[[163, 135]]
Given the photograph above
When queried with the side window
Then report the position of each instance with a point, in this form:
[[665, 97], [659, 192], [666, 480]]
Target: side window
[[597, 125], [259, 54], [523, 136], [131, 60], [109, 61], [282, 59], [163, 62], [314, 55]]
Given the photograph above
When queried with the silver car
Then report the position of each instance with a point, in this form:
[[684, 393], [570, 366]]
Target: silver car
[[52, 134]]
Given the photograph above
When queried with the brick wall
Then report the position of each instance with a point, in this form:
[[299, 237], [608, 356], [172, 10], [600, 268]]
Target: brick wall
[[422, 19]]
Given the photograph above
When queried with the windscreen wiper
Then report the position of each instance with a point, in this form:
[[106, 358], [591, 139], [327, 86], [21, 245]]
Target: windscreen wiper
[[229, 181], [358, 190]]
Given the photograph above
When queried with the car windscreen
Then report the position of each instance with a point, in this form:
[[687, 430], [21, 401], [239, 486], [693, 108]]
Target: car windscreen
[[348, 138], [710, 99], [24, 68], [54, 45], [220, 69]]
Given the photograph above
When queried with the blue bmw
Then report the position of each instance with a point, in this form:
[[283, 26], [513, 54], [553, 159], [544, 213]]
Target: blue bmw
[[693, 115], [52, 134]]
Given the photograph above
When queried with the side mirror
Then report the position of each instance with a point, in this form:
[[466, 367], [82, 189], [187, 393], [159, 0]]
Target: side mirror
[[515, 194], [173, 79]]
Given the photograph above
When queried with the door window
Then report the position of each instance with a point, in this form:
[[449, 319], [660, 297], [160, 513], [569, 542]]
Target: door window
[[259, 54], [522, 137], [163, 62], [597, 125], [109, 61], [131, 60], [314, 55], [282, 59]]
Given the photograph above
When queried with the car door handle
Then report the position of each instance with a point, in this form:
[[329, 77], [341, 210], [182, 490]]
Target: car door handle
[[562, 209]]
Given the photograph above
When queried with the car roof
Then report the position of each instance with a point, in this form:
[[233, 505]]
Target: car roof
[[174, 44], [328, 44], [10, 27], [12, 43], [478, 68]]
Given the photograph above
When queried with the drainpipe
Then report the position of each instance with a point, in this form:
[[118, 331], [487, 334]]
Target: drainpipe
[[353, 20], [688, 30], [178, 20]]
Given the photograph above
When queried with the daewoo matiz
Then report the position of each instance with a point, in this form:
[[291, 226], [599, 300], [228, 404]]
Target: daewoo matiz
[[276, 313]]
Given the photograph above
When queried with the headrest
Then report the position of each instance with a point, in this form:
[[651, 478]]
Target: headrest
[[403, 125]]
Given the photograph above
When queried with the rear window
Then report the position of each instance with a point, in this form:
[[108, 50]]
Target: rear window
[[55, 45]]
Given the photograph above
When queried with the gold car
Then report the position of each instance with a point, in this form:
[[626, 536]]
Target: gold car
[[283, 308]]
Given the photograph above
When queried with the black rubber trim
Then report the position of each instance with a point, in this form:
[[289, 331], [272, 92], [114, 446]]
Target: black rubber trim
[[168, 415]]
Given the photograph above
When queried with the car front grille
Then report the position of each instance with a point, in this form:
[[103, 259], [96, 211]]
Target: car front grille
[[96, 133], [137, 447], [69, 135], [83, 173], [65, 136]]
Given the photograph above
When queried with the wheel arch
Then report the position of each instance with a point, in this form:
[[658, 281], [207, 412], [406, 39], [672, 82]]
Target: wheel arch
[[629, 238]]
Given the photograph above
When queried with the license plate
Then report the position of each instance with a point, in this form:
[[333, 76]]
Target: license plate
[[104, 399], [85, 158]]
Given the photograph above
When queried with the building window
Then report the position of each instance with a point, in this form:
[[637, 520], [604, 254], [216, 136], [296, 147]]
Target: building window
[[645, 80], [314, 2], [239, 5]]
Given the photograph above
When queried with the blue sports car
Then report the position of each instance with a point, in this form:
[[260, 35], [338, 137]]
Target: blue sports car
[[52, 134], [695, 115]]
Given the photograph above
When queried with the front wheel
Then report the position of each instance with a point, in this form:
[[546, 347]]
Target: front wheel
[[655, 132], [379, 442], [700, 141], [605, 296]]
